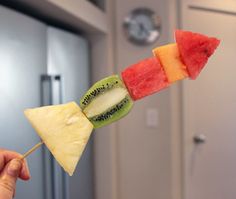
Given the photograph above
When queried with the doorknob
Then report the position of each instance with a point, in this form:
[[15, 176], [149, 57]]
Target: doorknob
[[199, 139]]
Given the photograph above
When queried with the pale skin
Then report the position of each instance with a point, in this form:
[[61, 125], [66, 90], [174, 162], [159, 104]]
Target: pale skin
[[12, 167]]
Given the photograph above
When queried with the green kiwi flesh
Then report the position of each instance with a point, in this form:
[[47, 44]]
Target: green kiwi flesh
[[106, 101]]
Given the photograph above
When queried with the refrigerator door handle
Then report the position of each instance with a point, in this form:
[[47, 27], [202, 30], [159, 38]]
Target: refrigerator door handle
[[51, 90], [56, 180], [48, 178], [56, 89], [61, 182]]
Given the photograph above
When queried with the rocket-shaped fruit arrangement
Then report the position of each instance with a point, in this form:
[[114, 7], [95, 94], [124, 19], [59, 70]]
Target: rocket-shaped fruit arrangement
[[65, 129]]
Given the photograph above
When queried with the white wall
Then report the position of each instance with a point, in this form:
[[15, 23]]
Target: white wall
[[144, 154]]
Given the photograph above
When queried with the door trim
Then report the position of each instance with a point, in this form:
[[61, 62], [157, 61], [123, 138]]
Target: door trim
[[176, 151]]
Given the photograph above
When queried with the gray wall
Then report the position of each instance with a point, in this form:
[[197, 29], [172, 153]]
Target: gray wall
[[143, 153]]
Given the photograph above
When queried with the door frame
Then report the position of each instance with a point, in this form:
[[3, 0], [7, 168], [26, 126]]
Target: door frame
[[176, 120]]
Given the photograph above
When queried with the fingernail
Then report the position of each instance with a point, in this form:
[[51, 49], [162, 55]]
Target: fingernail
[[14, 168], [27, 169]]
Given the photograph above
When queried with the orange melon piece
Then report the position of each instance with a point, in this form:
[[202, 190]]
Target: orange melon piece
[[169, 56]]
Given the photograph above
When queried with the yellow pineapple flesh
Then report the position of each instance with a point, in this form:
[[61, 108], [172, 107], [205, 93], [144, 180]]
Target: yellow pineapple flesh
[[64, 129]]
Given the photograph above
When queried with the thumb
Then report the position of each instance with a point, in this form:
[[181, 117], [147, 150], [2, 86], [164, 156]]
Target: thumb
[[8, 178]]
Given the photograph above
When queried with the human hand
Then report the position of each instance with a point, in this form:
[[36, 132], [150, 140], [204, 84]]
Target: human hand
[[11, 168]]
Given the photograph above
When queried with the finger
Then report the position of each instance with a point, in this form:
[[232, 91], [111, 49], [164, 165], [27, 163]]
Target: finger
[[8, 178], [6, 156], [9, 155], [2, 162], [25, 173]]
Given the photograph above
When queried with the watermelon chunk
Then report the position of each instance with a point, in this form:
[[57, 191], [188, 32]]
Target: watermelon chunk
[[195, 49], [144, 78]]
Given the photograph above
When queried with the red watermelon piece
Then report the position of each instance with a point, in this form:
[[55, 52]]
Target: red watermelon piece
[[195, 49], [144, 78]]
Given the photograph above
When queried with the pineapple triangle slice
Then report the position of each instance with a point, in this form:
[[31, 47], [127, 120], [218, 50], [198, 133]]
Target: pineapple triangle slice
[[64, 129]]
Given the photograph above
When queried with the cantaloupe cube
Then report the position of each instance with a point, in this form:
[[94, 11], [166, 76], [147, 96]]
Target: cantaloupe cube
[[170, 59], [64, 129]]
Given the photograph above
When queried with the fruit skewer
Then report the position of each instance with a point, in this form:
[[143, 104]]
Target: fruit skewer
[[66, 128]]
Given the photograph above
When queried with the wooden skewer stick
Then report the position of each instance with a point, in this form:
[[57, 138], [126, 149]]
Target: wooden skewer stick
[[31, 150]]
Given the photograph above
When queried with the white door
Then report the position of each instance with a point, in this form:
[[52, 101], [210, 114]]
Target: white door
[[209, 107]]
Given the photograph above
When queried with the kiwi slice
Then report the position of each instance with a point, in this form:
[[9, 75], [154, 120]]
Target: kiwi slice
[[106, 101]]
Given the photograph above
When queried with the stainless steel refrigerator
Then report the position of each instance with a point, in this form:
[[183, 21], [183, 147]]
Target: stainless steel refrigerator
[[41, 65]]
